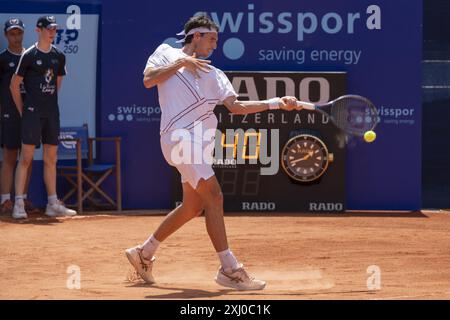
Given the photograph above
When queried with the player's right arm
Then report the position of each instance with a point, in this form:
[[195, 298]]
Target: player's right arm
[[156, 75], [16, 80]]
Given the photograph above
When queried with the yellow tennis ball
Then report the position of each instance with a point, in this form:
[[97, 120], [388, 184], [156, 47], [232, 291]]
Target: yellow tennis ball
[[370, 136]]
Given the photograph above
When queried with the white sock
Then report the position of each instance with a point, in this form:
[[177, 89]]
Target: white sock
[[149, 247], [228, 260], [53, 199], [6, 197], [19, 200]]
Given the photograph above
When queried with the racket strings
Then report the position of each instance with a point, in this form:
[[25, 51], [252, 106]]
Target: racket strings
[[354, 115]]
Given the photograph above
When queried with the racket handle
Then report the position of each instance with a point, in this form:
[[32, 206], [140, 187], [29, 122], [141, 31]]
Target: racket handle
[[306, 105]]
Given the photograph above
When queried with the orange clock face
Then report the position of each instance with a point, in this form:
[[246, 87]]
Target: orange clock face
[[305, 158]]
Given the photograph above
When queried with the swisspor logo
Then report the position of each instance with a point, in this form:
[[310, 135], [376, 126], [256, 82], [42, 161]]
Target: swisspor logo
[[298, 26], [136, 113]]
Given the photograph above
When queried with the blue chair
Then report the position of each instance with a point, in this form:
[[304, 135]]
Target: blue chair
[[85, 174]]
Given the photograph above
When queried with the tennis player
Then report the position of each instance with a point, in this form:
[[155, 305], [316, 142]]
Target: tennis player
[[189, 88]]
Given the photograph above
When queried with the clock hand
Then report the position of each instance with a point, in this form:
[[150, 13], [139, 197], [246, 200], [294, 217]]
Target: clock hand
[[310, 154]]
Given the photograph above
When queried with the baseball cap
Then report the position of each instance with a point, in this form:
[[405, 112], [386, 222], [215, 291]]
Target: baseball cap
[[46, 22], [13, 23]]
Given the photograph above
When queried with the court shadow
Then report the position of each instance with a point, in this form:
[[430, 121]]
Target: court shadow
[[36, 219], [347, 214], [182, 293], [387, 214], [185, 293]]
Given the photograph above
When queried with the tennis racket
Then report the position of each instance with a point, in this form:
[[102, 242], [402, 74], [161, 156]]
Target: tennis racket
[[351, 113]]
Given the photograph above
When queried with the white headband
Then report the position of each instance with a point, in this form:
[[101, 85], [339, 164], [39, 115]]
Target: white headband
[[192, 31]]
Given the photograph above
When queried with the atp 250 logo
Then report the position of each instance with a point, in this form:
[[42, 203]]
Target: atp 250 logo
[[66, 37]]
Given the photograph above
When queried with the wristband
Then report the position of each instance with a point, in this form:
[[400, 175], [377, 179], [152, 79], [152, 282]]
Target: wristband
[[274, 103]]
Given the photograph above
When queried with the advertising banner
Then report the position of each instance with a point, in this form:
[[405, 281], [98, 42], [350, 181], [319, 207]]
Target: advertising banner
[[377, 44]]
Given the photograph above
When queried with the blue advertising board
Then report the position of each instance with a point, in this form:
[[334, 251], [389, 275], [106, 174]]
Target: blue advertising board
[[377, 43]]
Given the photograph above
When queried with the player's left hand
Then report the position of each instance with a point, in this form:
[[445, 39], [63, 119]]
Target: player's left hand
[[289, 103]]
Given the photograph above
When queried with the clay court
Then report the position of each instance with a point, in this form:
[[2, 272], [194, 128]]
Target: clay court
[[300, 256]]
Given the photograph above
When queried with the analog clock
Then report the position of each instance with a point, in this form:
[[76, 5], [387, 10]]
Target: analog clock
[[305, 158]]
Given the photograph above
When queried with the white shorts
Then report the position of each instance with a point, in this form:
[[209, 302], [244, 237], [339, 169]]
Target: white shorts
[[192, 168]]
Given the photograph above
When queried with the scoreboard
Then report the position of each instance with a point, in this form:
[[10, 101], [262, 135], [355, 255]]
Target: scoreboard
[[278, 160]]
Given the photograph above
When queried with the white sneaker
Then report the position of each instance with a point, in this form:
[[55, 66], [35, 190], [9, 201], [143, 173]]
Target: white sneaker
[[238, 279], [143, 266], [58, 210], [19, 212]]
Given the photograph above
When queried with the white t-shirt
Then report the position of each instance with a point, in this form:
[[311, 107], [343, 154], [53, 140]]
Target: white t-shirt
[[185, 100]]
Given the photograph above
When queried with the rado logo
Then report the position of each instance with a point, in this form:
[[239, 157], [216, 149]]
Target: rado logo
[[246, 87], [326, 206], [259, 206]]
